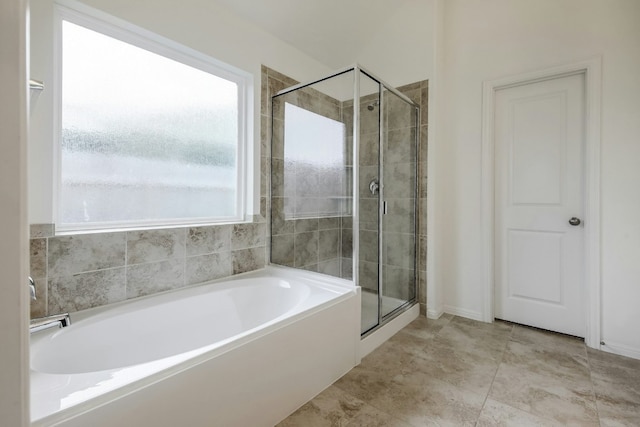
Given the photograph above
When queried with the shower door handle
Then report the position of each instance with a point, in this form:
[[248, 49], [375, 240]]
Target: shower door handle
[[384, 207]]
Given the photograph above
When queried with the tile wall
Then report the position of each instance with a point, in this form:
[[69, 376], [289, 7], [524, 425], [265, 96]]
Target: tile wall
[[301, 237], [400, 159], [88, 270], [418, 92]]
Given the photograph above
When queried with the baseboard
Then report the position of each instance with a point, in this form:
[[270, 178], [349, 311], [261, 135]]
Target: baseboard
[[434, 314], [621, 349], [463, 312]]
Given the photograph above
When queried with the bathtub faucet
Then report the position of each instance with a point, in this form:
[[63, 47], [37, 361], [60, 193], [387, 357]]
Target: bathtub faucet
[[32, 288], [57, 320]]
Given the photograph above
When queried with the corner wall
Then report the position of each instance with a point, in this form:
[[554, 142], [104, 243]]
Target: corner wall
[[14, 380], [489, 39], [400, 51]]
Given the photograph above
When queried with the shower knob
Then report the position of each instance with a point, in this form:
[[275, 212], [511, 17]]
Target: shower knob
[[374, 186]]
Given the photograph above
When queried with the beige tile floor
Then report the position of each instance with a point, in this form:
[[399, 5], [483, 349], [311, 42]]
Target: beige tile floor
[[458, 372]]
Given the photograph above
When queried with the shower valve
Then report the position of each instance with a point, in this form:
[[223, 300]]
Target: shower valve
[[374, 186]]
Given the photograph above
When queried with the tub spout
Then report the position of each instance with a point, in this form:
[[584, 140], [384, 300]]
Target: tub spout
[[32, 288], [57, 320]]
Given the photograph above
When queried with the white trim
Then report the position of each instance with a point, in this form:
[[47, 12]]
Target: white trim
[[463, 312], [591, 68], [14, 248], [95, 20], [435, 136], [434, 314], [621, 349]]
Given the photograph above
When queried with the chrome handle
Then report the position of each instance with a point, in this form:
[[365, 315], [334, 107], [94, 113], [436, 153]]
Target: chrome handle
[[575, 221], [374, 186], [32, 288]]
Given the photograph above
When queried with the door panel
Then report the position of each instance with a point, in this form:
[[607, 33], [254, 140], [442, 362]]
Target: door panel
[[534, 265], [539, 187], [398, 192], [538, 142]]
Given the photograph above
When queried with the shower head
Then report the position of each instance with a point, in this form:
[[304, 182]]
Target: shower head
[[373, 105]]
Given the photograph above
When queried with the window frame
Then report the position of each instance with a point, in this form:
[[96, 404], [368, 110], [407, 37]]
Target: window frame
[[128, 33]]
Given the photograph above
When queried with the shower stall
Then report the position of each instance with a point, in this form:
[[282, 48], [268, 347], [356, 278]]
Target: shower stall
[[344, 187]]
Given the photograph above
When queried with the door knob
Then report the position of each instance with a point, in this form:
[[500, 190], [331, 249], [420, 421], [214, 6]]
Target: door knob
[[575, 221]]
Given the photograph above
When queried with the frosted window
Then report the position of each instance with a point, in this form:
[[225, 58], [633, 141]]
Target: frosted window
[[315, 176], [145, 139]]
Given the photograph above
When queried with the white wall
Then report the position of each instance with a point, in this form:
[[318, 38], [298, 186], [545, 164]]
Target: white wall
[[199, 24], [489, 39], [14, 402], [401, 50]]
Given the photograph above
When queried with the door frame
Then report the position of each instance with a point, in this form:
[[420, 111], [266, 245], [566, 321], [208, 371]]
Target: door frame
[[592, 71]]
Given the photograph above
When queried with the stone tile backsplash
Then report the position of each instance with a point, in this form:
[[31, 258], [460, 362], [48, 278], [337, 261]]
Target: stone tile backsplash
[[70, 255], [79, 291], [88, 270], [155, 245]]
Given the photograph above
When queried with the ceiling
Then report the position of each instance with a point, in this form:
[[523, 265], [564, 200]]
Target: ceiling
[[333, 32]]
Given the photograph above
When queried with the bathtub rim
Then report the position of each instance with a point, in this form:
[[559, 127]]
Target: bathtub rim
[[276, 271], [343, 288]]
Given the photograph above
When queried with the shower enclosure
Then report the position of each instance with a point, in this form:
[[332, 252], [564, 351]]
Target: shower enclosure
[[344, 187]]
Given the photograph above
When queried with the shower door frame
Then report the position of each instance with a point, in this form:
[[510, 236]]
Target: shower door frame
[[382, 319], [356, 68]]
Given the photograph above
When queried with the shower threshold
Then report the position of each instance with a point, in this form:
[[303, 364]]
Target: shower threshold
[[369, 314]]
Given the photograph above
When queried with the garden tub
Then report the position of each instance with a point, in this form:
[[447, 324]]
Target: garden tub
[[246, 351]]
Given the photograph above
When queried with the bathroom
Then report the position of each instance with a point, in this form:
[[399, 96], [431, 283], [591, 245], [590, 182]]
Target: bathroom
[[405, 48], [79, 267]]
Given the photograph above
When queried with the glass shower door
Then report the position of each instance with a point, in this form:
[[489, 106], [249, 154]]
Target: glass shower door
[[398, 208]]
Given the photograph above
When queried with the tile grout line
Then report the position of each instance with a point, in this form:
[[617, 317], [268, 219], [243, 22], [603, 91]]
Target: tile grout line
[[126, 264], [363, 401], [540, 416], [593, 389], [184, 258], [495, 374], [46, 276]]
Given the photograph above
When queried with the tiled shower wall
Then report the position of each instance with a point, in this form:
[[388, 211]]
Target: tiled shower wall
[[301, 236], [418, 92], [297, 244]]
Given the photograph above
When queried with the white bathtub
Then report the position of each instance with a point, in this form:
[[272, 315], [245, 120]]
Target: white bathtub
[[244, 352]]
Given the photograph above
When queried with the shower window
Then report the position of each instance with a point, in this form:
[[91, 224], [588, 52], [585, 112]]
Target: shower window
[[150, 134], [314, 159]]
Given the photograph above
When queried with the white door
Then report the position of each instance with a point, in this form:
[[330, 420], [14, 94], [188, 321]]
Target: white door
[[539, 158]]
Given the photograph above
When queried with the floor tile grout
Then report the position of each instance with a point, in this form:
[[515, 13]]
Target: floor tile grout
[[548, 358], [593, 388], [495, 375]]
